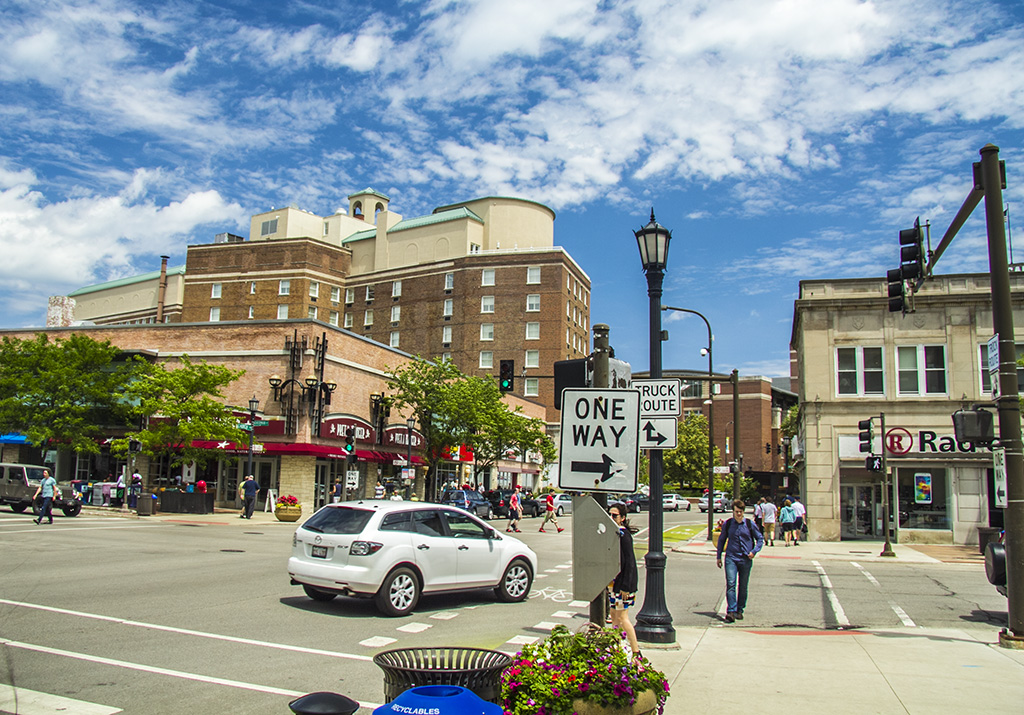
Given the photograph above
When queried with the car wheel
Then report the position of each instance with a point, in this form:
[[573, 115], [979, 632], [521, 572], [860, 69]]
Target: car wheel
[[490, 514], [688, 506], [703, 511], [559, 511], [317, 595], [515, 582], [399, 593], [18, 508], [72, 510]]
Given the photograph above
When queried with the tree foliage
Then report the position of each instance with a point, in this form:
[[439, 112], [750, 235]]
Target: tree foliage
[[179, 405], [62, 392], [687, 464]]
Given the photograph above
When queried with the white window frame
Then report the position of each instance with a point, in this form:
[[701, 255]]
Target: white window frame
[[396, 313], [252, 312], [920, 369], [335, 294], [314, 289], [487, 304], [860, 371], [449, 281], [269, 227], [487, 277], [532, 275], [282, 312], [532, 358], [393, 339], [368, 318], [216, 289], [396, 289], [311, 312], [486, 359], [446, 334], [284, 287], [350, 296], [533, 303], [533, 331], [252, 288], [214, 314], [347, 321], [486, 332], [449, 307], [985, 382], [531, 387], [332, 318], [370, 292]]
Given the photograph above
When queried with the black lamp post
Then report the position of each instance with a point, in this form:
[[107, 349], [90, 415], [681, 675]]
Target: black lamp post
[[654, 622], [409, 424], [254, 405]]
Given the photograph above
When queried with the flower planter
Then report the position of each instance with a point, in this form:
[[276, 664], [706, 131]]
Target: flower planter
[[646, 703], [714, 537], [288, 513]]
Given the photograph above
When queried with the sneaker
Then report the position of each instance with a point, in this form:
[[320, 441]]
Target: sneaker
[[561, 530], [729, 617], [541, 530], [518, 531], [510, 531], [35, 521], [739, 615]]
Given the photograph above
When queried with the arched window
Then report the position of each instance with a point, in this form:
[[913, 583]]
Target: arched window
[[357, 208]]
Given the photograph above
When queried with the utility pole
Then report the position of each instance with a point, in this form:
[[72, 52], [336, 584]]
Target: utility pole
[[601, 354], [734, 378]]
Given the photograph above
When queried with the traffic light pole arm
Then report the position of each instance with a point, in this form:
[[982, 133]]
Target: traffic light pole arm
[[970, 203]]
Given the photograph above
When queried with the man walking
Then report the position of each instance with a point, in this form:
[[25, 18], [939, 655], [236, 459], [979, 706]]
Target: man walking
[[741, 540], [47, 488], [249, 490], [769, 512], [515, 510], [549, 514], [801, 515]]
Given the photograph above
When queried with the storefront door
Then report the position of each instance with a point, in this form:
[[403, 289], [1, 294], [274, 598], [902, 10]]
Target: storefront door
[[859, 504], [322, 489]]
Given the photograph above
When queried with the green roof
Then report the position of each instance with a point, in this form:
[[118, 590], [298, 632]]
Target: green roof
[[130, 280], [368, 190], [440, 217], [360, 235]]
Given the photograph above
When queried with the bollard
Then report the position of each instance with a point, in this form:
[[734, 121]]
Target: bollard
[[439, 700], [323, 703]]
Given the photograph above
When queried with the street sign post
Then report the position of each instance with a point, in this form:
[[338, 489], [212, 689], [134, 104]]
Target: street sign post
[[659, 398], [999, 476], [658, 433], [599, 440], [595, 549], [261, 423]]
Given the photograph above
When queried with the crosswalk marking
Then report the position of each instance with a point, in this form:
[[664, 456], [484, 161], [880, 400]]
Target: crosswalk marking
[[900, 613], [32, 702], [837, 608]]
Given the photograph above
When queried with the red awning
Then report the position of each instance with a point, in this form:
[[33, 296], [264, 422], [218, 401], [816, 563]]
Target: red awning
[[365, 455]]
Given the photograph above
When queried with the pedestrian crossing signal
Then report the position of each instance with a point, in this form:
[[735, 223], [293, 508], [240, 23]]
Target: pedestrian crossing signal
[[873, 463]]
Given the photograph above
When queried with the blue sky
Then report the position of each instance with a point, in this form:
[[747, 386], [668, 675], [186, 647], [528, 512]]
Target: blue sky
[[778, 139]]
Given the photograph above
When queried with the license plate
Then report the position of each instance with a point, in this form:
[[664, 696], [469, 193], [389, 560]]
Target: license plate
[[319, 552]]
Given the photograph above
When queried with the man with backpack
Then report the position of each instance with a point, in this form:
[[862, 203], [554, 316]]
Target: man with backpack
[[740, 539]]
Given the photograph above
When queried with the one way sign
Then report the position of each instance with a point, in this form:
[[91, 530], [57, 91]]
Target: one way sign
[[598, 450], [658, 433]]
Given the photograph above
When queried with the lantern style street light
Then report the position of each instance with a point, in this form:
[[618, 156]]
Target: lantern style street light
[[654, 622], [410, 424], [254, 405]]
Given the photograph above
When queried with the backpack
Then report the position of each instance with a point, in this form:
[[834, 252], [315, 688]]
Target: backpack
[[728, 526]]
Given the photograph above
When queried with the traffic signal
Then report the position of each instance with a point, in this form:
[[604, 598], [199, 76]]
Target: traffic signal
[[912, 251], [767, 447], [897, 291], [873, 463], [867, 433], [506, 375], [350, 448]]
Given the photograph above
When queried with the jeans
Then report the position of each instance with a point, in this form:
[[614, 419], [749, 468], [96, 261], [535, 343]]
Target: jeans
[[736, 594], [250, 506], [46, 509]]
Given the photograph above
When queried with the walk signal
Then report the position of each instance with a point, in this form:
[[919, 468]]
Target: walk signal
[[867, 434], [506, 375], [873, 463]]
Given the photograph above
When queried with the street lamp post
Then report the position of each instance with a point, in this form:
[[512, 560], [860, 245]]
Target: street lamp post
[[711, 422], [409, 424], [254, 405], [654, 622]]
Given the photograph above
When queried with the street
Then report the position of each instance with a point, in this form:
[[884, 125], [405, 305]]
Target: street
[[187, 613]]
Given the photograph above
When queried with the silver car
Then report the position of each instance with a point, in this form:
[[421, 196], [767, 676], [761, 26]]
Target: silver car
[[563, 504], [395, 551]]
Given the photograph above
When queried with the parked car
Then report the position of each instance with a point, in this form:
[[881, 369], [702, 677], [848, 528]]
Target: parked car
[[722, 502], [470, 500], [394, 552], [499, 502], [563, 504], [18, 484], [675, 502], [636, 502]]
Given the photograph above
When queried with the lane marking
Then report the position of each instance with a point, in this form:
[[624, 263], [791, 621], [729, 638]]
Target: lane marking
[[185, 631], [900, 613], [161, 671], [826, 584], [523, 640], [377, 642], [414, 627], [445, 615], [44, 528], [545, 626], [32, 702]]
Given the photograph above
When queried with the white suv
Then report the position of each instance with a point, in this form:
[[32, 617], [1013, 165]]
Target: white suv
[[396, 551]]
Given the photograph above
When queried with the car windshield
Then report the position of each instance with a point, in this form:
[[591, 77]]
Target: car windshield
[[34, 474], [338, 520]]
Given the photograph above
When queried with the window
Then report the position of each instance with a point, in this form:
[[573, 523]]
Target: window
[[368, 318], [350, 295], [396, 313], [268, 227], [533, 274], [282, 312], [568, 309], [487, 304], [474, 248], [446, 334], [531, 387], [326, 228], [369, 293], [396, 289], [925, 497], [348, 320], [449, 281], [214, 314], [532, 358], [487, 278], [311, 313], [215, 290], [335, 294], [921, 369], [486, 359], [533, 331], [859, 371], [986, 378], [252, 312], [487, 331], [284, 287], [449, 307], [314, 290], [533, 303], [252, 288], [333, 318], [393, 341]]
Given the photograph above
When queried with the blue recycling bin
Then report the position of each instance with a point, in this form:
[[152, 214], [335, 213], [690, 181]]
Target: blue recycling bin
[[439, 700]]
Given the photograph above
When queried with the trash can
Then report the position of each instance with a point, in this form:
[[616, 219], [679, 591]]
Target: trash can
[[440, 699], [985, 535], [476, 669], [146, 504]]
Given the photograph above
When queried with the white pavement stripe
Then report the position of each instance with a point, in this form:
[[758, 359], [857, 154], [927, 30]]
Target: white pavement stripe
[[579, 604], [44, 528], [545, 626], [377, 642], [564, 614], [523, 640], [186, 631], [564, 566], [837, 609], [32, 702], [900, 613], [161, 671], [445, 615], [414, 627]]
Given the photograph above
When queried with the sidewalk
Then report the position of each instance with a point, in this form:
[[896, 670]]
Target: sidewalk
[[822, 550], [727, 669], [220, 517]]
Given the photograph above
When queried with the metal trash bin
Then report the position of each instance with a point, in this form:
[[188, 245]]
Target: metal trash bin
[[146, 504], [475, 669]]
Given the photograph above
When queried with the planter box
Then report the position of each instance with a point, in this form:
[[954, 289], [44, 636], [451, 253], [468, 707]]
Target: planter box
[[288, 513]]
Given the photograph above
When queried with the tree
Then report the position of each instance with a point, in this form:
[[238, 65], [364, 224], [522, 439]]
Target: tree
[[178, 406], [62, 393], [687, 464]]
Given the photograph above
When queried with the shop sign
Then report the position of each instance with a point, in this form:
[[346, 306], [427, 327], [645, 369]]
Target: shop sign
[[901, 442], [336, 427], [400, 437]]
